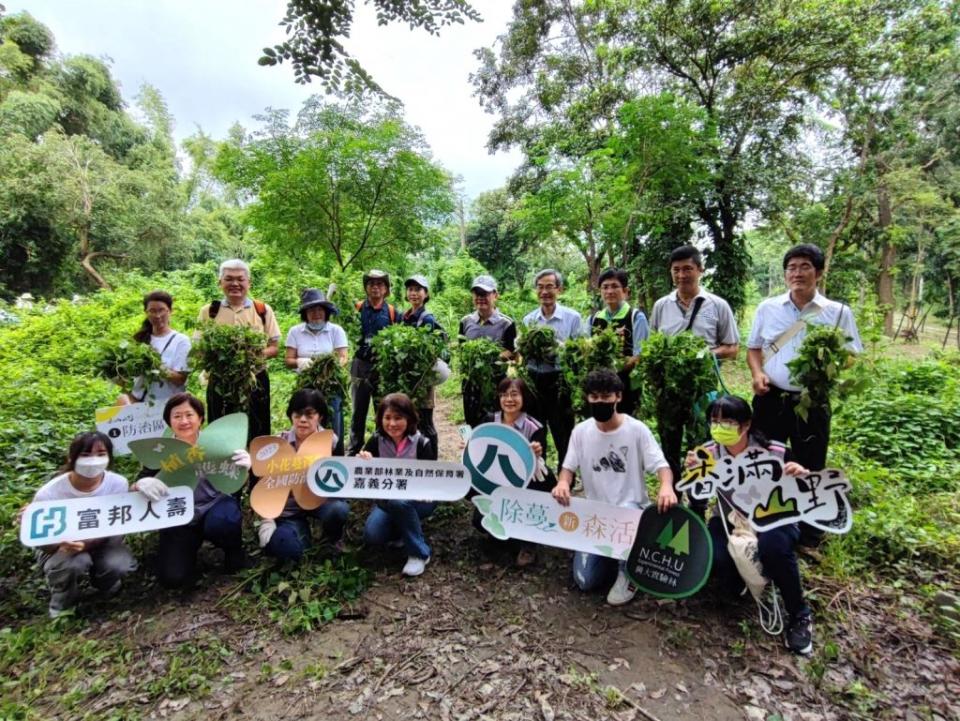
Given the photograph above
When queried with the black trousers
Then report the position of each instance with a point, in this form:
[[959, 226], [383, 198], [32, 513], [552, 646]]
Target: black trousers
[[554, 409], [363, 389], [774, 414], [426, 427], [474, 409], [629, 397], [671, 441], [258, 411]]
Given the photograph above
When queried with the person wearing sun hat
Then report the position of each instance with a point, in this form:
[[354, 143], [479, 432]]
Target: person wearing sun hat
[[418, 293], [375, 315], [315, 336], [485, 322]]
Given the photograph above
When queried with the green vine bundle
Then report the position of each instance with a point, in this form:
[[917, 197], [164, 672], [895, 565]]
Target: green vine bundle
[[122, 362], [481, 368], [676, 371], [537, 343], [326, 375], [404, 359], [816, 369], [580, 356], [232, 356]]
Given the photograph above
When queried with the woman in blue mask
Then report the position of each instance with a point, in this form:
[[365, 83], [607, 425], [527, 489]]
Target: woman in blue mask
[[731, 435], [317, 336]]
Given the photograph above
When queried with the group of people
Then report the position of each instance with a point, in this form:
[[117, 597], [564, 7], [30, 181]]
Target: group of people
[[610, 451]]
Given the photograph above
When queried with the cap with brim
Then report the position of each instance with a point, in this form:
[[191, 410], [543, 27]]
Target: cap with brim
[[312, 297], [417, 280], [485, 283]]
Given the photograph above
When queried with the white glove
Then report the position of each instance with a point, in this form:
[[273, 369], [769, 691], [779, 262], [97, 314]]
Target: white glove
[[204, 378], [540, 472], [303, 364], [153, 488], [241, 458], [265, 531]]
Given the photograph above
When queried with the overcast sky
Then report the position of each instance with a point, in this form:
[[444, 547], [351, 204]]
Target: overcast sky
[[202, 56]]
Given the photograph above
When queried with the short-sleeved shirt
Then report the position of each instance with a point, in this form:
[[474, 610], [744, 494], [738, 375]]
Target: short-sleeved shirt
[[498, 327], [639, 328], [292, 509], [714, 322], [775, 315], [246, 315], [311, 343], [613, 464], [372, 321], [174, 348], [565, 323], [60, 488]]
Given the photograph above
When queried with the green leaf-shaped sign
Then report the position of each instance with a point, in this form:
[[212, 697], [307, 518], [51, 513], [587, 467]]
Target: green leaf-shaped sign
[[180, 464]]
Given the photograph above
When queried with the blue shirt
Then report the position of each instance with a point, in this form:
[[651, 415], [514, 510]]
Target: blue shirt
[[565, 323], [372, 321]]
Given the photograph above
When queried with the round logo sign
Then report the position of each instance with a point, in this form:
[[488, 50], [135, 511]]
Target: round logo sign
[[672, 553], [329, 477], [498, 455]]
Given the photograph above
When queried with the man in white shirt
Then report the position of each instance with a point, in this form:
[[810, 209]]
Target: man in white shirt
[[779, 328], [613, 452], [690, 308]]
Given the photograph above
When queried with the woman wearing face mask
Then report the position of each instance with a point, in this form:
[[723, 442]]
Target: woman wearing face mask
[[732, 435], [216, 515], [316, 336], [288, 536], [397, 522], [173, 347], [513, 396], [106, 560]]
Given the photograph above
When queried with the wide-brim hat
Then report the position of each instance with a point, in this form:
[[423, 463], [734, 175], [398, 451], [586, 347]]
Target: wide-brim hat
[[312, 297], [376, 275]]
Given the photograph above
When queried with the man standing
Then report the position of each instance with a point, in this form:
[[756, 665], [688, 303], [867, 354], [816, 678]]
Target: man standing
[[375, 315], [237, 308], [690, 308], [779, 328], [554, 408], [629, 323], [613, 454], [485, 322]]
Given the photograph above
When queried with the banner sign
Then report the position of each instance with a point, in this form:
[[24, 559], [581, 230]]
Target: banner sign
[[754, 482], [388, 478], [588, 526], [498, 455], [46, 523], [283, 471], [123, 424], [671, 554], [180, 464]]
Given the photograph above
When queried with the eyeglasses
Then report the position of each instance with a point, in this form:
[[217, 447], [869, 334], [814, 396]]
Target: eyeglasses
[[799, 268], [511, 394], [308, 413], [548, 286], [732, 425]]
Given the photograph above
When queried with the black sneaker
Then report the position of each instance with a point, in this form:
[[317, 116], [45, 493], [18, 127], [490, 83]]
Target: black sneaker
[[799, 638], [237, 560]]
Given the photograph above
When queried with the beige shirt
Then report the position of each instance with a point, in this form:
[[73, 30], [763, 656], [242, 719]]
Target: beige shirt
[[247, 316]]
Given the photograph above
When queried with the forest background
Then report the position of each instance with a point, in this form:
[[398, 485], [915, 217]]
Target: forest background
[[643, 125]]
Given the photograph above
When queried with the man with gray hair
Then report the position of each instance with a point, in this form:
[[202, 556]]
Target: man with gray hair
[[553, 407], [237, 308]]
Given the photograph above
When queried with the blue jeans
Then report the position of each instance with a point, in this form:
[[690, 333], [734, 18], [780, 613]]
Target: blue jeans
[[392, 520], [292, 537], [590, 571]]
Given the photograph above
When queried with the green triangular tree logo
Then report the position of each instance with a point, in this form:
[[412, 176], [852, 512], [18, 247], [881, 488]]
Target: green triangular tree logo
[[666, 536], [681, 542]]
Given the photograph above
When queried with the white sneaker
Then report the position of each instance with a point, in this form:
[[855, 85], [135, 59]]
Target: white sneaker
[[415, 566], [622, 591]]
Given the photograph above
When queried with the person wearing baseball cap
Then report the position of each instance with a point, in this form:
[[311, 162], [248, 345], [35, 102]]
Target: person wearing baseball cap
[[418, 293], [375, 315], [317, 335], [485, 322]]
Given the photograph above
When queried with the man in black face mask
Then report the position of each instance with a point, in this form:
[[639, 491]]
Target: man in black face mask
[[613, 452]]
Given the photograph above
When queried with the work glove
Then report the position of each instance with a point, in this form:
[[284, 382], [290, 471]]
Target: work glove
[[303, 364], [266, 530], [241, 458], [153, 488]]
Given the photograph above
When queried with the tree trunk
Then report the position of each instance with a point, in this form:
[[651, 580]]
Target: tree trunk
[[888, 257]]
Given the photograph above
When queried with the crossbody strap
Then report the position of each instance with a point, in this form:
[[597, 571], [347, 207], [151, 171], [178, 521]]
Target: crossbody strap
[[781, 340], [697, 304]]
